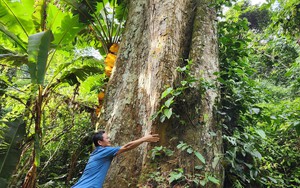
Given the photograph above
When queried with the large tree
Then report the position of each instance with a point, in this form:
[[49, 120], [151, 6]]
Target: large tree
[[159, 36]]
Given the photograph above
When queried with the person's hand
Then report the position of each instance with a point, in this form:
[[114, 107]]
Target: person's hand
[[151, 138]]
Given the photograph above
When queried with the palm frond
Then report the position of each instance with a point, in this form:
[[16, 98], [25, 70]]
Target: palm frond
[[74, 75], [105, 18]]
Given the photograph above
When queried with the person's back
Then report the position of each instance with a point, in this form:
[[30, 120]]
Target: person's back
[[97, 167]]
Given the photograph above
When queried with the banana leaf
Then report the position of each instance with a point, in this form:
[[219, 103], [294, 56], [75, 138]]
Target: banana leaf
[[38, 50], [13, 59], [16, 16], [12, 37], [12, 135]]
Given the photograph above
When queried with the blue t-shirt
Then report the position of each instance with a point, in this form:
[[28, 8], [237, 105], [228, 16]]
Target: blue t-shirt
[[96, 169]]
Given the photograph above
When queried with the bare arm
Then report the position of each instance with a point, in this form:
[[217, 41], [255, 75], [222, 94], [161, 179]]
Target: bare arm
[[133, 144]]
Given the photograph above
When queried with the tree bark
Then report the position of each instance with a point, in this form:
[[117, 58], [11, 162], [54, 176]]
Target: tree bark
[[158, 36]]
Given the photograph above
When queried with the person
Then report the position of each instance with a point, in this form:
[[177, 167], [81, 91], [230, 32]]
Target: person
[[100, 159]]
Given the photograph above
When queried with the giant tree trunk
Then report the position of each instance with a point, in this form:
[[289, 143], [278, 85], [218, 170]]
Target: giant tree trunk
[[158, 36]]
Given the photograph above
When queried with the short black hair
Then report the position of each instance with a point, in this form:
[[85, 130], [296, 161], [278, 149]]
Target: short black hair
[[98, 136]]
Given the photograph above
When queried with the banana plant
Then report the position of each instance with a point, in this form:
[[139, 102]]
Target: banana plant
[[30, 33]]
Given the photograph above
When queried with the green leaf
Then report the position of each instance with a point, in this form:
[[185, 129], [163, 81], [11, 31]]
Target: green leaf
[[181, 69], [162, 118], [16, 15], [166, 92], [190, 150], [203, 182], [154, 116], [296, 124], [73, 75], [86, 9], [175, 175], [13, 37], [181, 144], [213, 180], [169, 102], [13, 59], [255, 110], [184, 147], [3, 85], [199, 167], [183, 83], [215, 161], [199, 156], [10, 150], [168, 112], [38, 49], [66, 32], [256, 154], [261, 133], [272, 179]]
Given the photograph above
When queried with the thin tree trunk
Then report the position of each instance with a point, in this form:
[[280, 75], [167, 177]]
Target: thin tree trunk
[[158, 36], [30, 179]]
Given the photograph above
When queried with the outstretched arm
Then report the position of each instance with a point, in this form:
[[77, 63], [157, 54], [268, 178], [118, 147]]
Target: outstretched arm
[[133, 144]]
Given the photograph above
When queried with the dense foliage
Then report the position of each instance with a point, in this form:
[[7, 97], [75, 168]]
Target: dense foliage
[[260, 98], [52, 72]]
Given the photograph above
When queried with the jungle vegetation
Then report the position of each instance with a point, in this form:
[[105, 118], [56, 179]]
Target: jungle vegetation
[[56, 59]]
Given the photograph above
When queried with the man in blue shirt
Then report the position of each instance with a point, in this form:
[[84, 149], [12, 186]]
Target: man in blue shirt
[[100, 159]]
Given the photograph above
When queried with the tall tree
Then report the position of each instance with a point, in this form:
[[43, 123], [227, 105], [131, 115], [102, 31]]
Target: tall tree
[[159, 36]]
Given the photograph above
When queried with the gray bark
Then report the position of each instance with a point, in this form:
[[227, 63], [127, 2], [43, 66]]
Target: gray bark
[[158, 36]]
